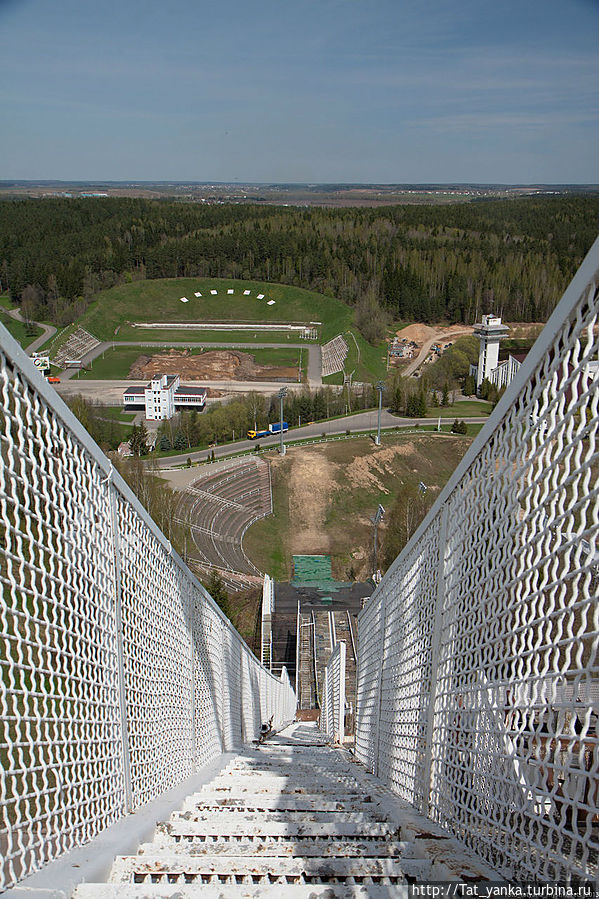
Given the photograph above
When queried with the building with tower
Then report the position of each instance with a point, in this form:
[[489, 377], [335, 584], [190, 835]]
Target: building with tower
[[490, 331]]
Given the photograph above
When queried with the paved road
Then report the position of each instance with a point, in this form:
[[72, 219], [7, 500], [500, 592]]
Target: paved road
[[49, 331], [360, 422], [314, 355]]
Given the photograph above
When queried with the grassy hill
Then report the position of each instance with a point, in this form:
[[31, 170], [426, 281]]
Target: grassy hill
[[113, 312], [160, 301]]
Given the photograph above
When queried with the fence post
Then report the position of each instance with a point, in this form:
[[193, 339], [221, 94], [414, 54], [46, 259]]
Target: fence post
[[436, 642], [118, 608]]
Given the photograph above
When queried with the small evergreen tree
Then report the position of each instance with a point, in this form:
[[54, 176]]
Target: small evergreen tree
[[218, 592], [139, 440], [469, 385]]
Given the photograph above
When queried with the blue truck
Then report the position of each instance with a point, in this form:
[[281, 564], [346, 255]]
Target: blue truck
[[272, 429]]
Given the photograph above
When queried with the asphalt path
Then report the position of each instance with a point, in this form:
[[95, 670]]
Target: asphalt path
[[49, 331], [314, 355], [362, 421]]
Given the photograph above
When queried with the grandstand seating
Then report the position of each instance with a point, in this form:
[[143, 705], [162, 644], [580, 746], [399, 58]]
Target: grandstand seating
[[219, 507], [77, 346], [334, 354]]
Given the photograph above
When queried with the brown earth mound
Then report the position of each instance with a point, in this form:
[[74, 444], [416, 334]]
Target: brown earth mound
[[213, 365], [420, 334]]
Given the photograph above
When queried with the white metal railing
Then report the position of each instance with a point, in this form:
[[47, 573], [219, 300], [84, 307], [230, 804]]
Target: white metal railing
[[268, 607], [478, 671], [332, 710], [119, 675]]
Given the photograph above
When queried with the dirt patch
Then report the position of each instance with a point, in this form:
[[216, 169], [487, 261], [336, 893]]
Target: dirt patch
[[363, 471], [213, 365], [311, 483], [421, 334], [417, 333]]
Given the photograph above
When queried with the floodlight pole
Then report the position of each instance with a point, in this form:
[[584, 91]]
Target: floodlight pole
[[376, 519], [282, 394], [380, 387]]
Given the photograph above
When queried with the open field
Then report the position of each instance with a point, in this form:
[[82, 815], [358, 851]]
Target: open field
[[127, 362], [116, 413], [463, 409], [324, 496]]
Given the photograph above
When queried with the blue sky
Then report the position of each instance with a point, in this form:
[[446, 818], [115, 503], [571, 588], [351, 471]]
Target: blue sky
[[305, 91]]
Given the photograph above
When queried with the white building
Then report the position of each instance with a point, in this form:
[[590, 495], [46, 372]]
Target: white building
[[160, 397], [164, 396], [491, 332]]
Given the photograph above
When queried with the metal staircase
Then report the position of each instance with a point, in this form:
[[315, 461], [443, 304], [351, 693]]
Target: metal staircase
[[307, 671], [291, 818]]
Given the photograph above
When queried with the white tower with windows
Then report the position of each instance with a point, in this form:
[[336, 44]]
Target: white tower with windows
[[491, 332]]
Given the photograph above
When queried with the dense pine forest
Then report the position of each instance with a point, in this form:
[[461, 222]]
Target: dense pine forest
[[425, 263]]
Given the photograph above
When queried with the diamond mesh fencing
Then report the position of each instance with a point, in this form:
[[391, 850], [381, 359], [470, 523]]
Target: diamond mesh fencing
[[478, 677], [119, 675], [332, 713]]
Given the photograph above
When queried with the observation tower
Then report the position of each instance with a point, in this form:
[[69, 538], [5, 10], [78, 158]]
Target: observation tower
[[491, 332]]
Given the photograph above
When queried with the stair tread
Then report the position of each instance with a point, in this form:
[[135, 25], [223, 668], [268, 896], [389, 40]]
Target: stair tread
[[239, 891], [268, 846], [164, 863]]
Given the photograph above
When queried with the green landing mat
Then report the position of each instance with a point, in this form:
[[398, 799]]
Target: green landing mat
[[312, 570]]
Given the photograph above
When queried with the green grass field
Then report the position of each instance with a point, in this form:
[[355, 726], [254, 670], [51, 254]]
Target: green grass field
[[117, 362], [461, 409], [116, 414]]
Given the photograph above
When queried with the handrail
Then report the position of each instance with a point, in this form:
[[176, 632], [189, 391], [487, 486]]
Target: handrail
[[110, 644], [465, 645]]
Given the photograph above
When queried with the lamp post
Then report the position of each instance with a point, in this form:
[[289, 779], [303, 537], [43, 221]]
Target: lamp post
[[282, 394], [380, 387], [376, 519], [347, 380]]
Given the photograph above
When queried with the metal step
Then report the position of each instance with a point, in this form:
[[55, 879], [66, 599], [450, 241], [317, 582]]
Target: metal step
[[225, 817], [239, 891], [270, 846], [322, 829], [293, 802], [165, 867]]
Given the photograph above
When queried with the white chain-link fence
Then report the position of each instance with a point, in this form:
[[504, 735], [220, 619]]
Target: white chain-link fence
[[478, 673], [119, 675], [332, 714]]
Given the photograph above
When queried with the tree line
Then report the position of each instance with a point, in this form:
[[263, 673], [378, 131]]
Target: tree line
[[425, 263]]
